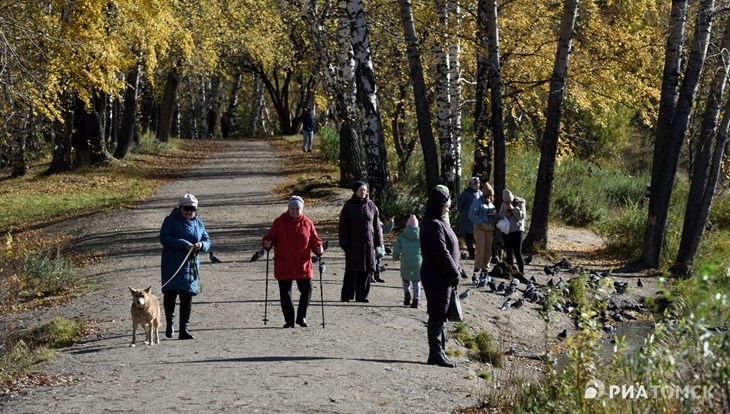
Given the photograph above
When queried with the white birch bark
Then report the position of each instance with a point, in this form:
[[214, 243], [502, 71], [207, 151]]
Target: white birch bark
[[455, 103], [443, 101]]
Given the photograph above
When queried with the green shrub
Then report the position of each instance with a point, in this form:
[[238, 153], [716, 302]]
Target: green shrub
[[55, 333], [46, 274], [576, 208], [329, 139], [720, 213], [149, 144]]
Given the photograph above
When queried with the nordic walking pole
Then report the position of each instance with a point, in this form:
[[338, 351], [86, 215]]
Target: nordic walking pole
[[322, 267], [266, 297]]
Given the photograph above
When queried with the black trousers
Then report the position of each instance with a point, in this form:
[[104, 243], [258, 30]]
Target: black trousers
[[436, 337], [513, 246], [287, 306], [356, 285], [186, 300], [469, 241]]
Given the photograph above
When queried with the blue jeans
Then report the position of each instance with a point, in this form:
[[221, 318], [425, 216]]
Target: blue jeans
[[307, 140]]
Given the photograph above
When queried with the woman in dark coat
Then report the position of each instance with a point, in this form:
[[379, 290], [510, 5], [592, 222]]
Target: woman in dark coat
[[359, 234], [440, 271], [181, 231]]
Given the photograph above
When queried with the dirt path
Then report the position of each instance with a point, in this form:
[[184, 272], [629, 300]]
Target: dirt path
[[370, 357]]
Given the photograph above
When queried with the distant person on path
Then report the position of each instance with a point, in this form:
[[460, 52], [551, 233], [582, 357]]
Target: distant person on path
[[466, 227], [440, 271], [181, 231], [513, 209], [359, 234], [407, 248], [307, 130], [483, 214], [294, 239]]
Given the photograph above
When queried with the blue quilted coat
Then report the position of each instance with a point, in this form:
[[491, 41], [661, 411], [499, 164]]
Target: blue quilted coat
[[175, 234]]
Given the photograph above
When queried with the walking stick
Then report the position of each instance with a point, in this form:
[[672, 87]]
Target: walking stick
[[266, 297], [322, 267]]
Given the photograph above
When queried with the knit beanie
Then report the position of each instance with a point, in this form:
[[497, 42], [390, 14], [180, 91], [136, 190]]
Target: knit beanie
[[296, 201], [487, 190], [188, 200], [507, 196], [473, 180], [412, 221], [356, 186]]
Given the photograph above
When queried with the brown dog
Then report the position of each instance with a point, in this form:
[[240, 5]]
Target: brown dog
[[145, 312]]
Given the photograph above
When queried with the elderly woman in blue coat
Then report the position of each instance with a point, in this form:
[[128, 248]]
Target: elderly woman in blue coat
[[182, 236], [440, 271]]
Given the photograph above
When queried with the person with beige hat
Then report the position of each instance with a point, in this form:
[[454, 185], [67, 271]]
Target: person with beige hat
[[483, 214]]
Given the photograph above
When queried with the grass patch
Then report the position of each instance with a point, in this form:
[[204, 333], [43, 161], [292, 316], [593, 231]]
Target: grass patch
[[309, 175], [480, 346]]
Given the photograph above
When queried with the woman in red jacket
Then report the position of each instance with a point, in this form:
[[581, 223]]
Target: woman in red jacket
[[293, 238]]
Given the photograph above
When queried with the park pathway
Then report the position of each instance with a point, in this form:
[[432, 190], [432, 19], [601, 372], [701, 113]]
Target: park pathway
[[369, 358]]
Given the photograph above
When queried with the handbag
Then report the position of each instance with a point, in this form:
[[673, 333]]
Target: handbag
[[454, 314]]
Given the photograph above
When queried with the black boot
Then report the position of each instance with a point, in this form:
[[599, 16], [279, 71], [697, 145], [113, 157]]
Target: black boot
[[407, 298], [185, 308], [436, 355], [169, 300]]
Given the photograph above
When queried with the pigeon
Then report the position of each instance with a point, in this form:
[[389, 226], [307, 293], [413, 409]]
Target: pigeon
[[474, 278], [534, 297], [627, 316], [550, 282], [608, 328], [481, 283], [213, 258], [563, 335], [533, 280], [617, 317], [620, 287], [500, 288], [509, 290], [491, 285], [518, 304], [506, 305], [465, 294], [548, 270], [639, 283], [514, 282], [563, 264], [326, 245], [256, 256], [561, 284], [576, 269], [527, 259], [388, 250]]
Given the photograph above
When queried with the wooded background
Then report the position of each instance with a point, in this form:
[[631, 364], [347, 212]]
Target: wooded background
[[450, 83]]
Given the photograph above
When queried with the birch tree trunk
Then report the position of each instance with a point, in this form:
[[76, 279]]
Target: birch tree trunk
[[495, 85], [443, 101], [661, 189], [455, 101], [377, 159], [703, 184], [537, 237], [423, 113], [257, 103]]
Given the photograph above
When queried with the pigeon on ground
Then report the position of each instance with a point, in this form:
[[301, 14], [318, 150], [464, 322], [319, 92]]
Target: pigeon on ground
[[500, 288], [482, 282], [514, 282], [576, 269], [506, 305], [639, 283], [620, 287], [548, 270], [561, 284], [388, 250], [465, 294], [527, 259], [492, 286], [564, 264], [213, 258], [608, 328], [550, 282], [326, 245], [627, 315], [533, 280], [256, 256], [617, 317], [518, 304], [563, 335], [509, 290]]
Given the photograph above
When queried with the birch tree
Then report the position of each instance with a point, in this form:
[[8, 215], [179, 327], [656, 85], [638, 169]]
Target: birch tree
[[495, 86], [662, 184], [537, 236], [443, 101], [709, 150], [377, 160]]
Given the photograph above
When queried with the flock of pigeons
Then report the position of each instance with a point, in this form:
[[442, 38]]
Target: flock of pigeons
[[533, 292]]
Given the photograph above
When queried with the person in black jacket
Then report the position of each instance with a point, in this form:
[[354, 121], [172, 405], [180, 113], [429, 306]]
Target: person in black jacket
[[440, 271], [307, 130]]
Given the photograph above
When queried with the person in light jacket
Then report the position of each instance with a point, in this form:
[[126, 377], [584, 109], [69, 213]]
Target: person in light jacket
[[181, 231], [466, 226], [440, 271], [407, 248], [513, 209], [294, 239], [483, 214]]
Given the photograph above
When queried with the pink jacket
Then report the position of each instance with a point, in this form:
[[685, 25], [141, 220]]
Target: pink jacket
[[293, 240]]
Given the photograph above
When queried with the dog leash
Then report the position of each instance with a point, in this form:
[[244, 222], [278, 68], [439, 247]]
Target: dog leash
[[190, 250]]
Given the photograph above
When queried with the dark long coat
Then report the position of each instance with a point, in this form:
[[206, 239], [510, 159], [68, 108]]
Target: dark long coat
[[175, 234], [440, 249], [359, 234]]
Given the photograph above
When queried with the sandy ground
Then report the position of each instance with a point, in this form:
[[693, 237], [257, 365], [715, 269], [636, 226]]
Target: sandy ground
[[367, 358]]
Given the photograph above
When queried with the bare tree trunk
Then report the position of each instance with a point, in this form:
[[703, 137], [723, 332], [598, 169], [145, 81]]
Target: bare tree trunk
[[455, 99], [537, 237], [62, 149], [167, 107], [661, 189], [495, 85], [377, 157], [482, 144], [129, 118], [703, 184], [423, 113], [443, 102], [257, 103]]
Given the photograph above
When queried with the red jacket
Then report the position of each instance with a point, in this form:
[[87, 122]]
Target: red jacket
[[293, 240]]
